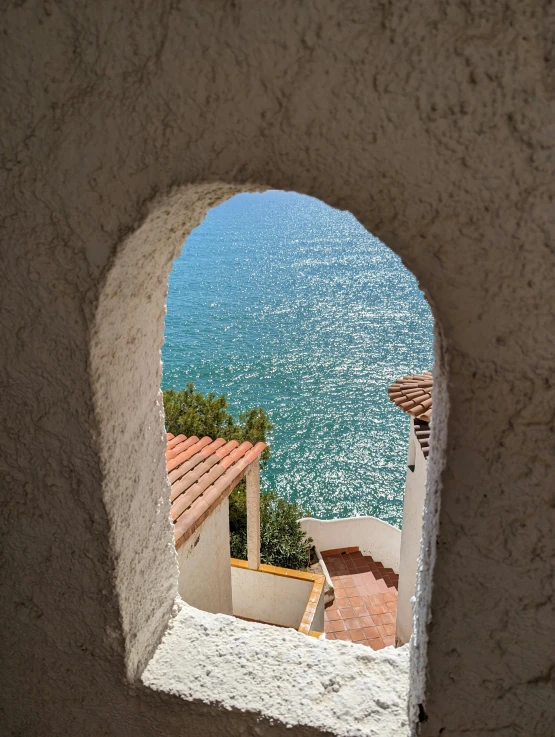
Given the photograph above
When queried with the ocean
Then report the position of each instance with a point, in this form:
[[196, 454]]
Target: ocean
[[279, 301]]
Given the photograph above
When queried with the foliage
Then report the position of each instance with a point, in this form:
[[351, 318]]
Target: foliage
[[192, 413], [283, 542]]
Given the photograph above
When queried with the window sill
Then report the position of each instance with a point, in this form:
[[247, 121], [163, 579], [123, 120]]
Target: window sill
[[282, 675]]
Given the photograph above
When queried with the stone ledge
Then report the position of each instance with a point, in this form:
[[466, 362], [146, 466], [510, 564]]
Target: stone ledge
[[282, 675]]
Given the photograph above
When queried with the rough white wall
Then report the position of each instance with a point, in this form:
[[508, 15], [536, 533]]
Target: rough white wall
[[413, 507], [121, 124], [372, 535], [204, 571], [330, 687], [268, 598]]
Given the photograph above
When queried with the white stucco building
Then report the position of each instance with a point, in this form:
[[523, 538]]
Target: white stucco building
[[386, 548], [414, 395], [202, 473]]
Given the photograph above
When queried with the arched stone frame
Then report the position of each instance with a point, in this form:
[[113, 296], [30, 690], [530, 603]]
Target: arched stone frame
[[432, 126], [125, 356]]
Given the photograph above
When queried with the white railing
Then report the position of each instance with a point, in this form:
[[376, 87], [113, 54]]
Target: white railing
[[371, 535]]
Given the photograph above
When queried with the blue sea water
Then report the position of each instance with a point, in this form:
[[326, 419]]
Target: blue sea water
[[279, 301]]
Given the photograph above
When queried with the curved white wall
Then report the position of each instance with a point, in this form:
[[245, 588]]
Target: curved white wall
[[372, 535], [415, 492]]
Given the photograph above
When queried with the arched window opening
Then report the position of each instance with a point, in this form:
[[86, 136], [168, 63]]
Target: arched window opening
[[282, 303], [174, 647]]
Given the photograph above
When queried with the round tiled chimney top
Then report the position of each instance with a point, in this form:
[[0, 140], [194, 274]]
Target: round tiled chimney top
[[414, 395]]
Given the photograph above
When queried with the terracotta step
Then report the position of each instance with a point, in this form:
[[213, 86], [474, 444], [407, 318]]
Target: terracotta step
[[339, 551]]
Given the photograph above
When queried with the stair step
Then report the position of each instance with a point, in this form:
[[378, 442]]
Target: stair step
[[339, 551]]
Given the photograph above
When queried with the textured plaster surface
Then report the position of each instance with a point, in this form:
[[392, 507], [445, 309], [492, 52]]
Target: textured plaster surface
[[122, 123], [365, 693]]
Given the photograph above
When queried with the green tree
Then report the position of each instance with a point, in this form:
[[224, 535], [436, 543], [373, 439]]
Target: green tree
[[192, 413], [282, 541]]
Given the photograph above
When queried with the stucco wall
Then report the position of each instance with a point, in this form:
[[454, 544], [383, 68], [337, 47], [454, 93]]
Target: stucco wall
[[293, 676], [372, 535], [413, 507], [121, 124], [204, 571], [268, 598]]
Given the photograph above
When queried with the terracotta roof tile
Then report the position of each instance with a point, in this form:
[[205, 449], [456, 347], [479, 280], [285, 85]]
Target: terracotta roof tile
[[201, 474], [196, 455], [413, 394], [185, 450]]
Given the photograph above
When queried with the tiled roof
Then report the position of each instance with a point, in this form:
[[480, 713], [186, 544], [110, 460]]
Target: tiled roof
[[202, 472], [414, 395], [422, 431]]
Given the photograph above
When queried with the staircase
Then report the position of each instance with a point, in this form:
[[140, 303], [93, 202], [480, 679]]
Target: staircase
[[365, 604]]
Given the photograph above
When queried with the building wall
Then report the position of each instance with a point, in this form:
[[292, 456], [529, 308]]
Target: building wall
[[268, 598], [204, 571], [372, 535], [413, 507], [319, 617], [121, 125]]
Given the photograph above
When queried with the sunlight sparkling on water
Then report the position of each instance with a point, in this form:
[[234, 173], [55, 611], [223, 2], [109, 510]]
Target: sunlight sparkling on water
[[279, 301]]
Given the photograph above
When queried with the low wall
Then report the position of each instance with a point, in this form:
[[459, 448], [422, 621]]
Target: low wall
[[373, 536], [273, 598]]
